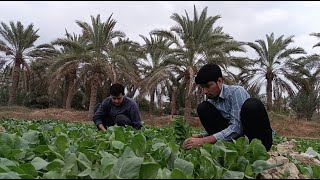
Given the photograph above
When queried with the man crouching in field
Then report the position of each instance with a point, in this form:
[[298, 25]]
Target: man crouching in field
[[229, 112], [117, 109]]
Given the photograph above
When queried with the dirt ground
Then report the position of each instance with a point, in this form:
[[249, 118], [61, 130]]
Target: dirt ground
[[283, 125]]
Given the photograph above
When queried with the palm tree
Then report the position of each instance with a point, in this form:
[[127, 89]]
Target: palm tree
[[98, 68], [4, 81], [125, 58], [18, 44], [157, 65], [274, 54], [75, 51], [42, 58], [317, 45], [195, 40], [306, 77], [318, 36]]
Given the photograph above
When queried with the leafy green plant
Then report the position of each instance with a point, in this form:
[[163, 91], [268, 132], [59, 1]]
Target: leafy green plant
[[181, 129], [47, 149]]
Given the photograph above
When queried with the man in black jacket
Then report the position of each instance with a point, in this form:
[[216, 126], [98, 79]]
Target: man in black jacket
[[117, 109]]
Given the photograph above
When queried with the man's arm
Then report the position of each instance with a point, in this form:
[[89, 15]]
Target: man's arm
[[234, 130], [135, 116], [100, 114]]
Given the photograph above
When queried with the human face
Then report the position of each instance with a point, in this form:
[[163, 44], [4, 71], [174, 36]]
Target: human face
[[117, 100], [212, 89]]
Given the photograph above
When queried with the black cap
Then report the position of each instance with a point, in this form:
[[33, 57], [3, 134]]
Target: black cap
[[208, 72]]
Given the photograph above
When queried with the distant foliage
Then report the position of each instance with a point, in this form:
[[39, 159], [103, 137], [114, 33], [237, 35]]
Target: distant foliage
[[305, 103]]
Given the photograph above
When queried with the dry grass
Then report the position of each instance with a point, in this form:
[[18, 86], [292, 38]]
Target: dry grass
[[284, 125], [292, 127]]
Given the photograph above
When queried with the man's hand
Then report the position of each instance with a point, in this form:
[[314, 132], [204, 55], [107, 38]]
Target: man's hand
[[193, 142], [196, 140], [102, 127]]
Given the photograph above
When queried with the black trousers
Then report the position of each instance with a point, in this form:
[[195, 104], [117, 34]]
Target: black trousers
[[253, 116], [120, 120]]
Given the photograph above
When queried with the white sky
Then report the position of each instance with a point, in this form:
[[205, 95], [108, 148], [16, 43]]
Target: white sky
[[245, 21]]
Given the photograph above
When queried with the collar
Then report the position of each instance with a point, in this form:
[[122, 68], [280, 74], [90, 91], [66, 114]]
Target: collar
[[222, 92]]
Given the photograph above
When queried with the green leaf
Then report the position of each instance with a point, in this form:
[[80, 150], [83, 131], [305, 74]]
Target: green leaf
[[84, 160], [204, 153], [178, 174], [139, 144], [41, 149], [61, 143], [21, 143], [156, 146], [112, 136], [86, 172], [70, 160], [9, 175], [312, 152], [119, 134], [166, 153], [164, 174], [55, 165], [7, 162], [53, 150], [3, 168], [207, 169], [26, 176], [233, 175], [316, 172], [28, 169], [185, 166], [5, 151], [149, 170], [256, 151], [54, 175], [103, 172], [128, 165], [39, 163], [261, 165], [107, 158], [117, 144], [31, 136], [7, 139], [241, 164]]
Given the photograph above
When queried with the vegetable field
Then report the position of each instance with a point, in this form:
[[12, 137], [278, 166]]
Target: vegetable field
[[53, 149]]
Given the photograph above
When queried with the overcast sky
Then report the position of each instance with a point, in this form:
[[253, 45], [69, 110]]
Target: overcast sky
[[245, 21]]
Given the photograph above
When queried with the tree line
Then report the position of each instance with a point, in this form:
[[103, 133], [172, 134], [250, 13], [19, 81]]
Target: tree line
[[76, 71]]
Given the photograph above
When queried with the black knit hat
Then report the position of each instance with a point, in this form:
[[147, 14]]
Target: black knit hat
[[208, 72]]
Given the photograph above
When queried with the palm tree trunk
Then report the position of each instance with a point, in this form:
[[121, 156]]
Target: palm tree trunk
[[269, 77], [187, 98], [107, 89], [71, 90], [160, 103], [14, 86], [279, 104], [151, 110], [66, 90], [93, 96], [71, 93], [173, 101], [27, 82]]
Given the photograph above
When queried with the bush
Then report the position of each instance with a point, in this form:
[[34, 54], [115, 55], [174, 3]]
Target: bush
[[305, 103], [77, 101], [33, 101], [144, 105]]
